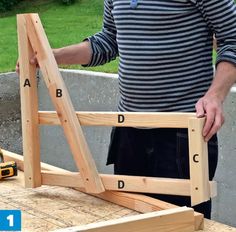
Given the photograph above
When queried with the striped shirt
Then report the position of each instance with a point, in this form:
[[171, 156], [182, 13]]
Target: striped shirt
[[164, 49]]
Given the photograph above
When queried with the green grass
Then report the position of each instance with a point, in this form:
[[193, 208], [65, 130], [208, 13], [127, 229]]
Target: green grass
[[64, 25]]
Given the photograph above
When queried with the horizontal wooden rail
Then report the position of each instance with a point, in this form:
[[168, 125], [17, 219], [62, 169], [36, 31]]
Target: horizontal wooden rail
[[123, 119], [126, 183]]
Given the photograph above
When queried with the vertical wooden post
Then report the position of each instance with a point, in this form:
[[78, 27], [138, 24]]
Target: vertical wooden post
[[198, 160], [63, 105], [29, 108]]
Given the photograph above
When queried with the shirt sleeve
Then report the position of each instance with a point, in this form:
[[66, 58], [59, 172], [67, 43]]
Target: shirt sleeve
[[103, 44], [220, 15]]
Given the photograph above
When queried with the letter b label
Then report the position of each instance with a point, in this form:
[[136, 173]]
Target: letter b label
[[59, 93]]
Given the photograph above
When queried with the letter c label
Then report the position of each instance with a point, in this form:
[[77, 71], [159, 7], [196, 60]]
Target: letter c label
[[195, 158]]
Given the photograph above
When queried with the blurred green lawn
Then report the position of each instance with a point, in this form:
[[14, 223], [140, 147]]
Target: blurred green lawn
[[64, 25]]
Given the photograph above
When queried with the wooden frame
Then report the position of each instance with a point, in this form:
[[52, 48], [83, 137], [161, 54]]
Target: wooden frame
[[30, 31], [32, 40]]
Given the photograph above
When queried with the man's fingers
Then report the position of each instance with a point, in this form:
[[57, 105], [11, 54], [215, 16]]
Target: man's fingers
[[218, 122], [17, 69], [211, 108], [33, 60], [200, 111], [210, 119]]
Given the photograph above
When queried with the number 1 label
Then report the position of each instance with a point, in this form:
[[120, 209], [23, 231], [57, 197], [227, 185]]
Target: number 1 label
[[10, 220]]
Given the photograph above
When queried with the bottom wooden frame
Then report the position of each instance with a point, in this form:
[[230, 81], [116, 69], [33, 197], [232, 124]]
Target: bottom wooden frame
[[137, 202]]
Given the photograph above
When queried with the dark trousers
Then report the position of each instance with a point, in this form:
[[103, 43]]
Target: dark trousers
[[158, 152]]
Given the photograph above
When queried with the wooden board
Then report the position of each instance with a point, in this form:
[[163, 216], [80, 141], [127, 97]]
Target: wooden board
[[62, 103], [178, 220], [139, 184], [198, 158], [124, 119], [29, 107]]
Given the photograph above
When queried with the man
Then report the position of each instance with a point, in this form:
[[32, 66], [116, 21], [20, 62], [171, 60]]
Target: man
[[165, 52]]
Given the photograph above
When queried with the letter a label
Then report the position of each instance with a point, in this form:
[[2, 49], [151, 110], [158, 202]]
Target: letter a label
[[27, 83], [59, 93]]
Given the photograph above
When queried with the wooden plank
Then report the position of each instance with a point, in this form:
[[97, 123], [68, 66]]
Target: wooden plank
[[137, 202], [124, 119], [63, 105], [29, 108], [198, 159], [19, 159], [139, 184], [178, 220], [143, 204]]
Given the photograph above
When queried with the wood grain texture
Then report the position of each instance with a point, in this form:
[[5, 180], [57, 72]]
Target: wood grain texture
[[198, 158], [29, 107], [63, 105], [178, 220], [138, 184], [133, 119]]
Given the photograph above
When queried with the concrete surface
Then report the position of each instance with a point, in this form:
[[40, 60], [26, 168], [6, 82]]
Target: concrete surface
[[225, 204], [99, 92], [10, 125]]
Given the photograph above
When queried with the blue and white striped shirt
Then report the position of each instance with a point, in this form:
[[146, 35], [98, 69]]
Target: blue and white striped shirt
[[165, 49]]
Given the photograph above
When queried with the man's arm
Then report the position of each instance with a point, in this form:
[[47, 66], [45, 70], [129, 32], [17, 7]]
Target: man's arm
[[211, 104], [74, 54], [98, 49], [220, 15]]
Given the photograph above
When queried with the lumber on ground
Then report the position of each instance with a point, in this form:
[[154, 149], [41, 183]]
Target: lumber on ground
[[178, 220]]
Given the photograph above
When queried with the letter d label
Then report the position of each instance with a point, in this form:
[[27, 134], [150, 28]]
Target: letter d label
[[121, 184], [121, 118]]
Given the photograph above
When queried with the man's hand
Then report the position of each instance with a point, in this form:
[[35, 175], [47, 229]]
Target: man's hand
[[212, 108], [73, 54], [211, 104], [33, 61]]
